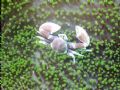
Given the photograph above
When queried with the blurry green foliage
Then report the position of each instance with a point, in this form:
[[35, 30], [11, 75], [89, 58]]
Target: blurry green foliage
[[99, 69]]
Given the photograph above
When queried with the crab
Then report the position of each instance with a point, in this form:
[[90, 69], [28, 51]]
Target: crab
[[60, 42]]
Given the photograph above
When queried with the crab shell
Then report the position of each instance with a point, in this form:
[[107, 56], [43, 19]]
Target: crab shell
[[59, 45]]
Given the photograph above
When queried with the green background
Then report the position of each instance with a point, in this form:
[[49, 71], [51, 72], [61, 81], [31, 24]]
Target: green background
[[28, 65]]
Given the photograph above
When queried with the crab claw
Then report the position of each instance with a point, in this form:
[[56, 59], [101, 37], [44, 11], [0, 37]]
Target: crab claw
[[83, 39], [82, 36], [75, 45], [48, 28]]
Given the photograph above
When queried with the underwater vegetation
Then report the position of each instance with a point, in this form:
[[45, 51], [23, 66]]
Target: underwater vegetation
[[29, 65]]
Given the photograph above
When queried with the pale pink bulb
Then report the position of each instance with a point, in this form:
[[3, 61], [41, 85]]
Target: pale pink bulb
[[82, 35], [48, 28]]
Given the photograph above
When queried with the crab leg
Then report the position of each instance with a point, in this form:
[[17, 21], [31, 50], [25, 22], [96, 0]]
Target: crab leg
[[75, 53], [43, 40], [72, 55]]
